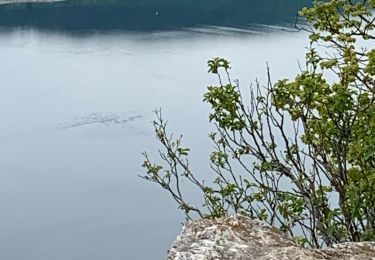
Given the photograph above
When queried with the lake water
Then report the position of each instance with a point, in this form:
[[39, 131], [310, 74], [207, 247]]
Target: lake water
[[76, 112]]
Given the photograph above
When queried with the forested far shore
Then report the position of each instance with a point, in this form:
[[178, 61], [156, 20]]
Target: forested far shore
[[2, 2], [147, 14]]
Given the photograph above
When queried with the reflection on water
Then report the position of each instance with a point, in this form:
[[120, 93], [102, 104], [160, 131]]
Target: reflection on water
[[74, 193]]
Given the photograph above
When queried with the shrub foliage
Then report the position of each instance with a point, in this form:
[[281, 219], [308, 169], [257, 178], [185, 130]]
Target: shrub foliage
[[298, 154]]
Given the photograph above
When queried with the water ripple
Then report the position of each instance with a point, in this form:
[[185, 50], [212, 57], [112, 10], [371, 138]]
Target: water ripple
[[101, 119]]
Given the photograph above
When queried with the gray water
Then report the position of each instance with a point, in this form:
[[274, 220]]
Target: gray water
[[76, 113]]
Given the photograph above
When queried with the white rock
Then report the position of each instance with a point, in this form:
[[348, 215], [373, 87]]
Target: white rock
[[238, 237]]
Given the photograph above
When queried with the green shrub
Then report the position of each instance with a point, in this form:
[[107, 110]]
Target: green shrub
[[316, 133]]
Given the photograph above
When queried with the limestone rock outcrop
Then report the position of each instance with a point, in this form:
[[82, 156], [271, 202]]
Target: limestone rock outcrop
[[239, 237]]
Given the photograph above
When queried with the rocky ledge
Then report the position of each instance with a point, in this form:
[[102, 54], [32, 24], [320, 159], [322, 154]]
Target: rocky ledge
[[239, 237]]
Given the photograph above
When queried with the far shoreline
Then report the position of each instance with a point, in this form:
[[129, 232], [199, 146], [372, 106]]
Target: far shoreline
[[3, 2]]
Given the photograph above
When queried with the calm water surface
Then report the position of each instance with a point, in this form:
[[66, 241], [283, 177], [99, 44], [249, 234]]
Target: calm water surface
[[75, 116]]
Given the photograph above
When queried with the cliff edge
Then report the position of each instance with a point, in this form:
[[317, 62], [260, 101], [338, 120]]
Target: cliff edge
[[239, 237]]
